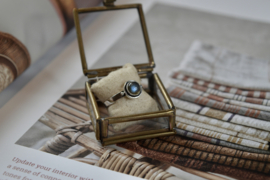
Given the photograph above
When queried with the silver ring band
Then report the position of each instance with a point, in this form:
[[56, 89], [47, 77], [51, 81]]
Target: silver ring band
[[132, 89]]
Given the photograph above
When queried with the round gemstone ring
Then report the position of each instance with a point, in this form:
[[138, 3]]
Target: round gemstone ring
[[132, 89]]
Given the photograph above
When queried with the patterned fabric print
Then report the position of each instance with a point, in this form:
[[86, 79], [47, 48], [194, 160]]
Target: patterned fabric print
[[171, 148], [225, 137], [202, 146], [176, 160], [199, 125], [221, 99], [205, 126], [221, 115], [191, 97], [243, 94], [215, 141], [238, 129]]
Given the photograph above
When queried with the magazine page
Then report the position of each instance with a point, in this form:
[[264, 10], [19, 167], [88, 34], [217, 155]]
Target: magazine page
[[32, 143], [37, 98]]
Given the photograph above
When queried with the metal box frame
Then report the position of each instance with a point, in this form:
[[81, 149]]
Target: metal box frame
[[155, 86]]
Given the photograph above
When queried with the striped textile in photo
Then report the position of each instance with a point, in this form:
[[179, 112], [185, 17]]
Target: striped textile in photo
[[217, 129], [215, 141], [203, 146], [171, 148], [224, 137], [264, 135], [221, 115], [264, 104], [179, 93], [202, 165], [257, 97]]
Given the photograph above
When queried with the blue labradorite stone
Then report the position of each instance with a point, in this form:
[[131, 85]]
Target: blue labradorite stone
[[134, 88]]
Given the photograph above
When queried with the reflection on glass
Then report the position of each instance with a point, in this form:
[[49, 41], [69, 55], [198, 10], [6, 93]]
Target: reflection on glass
[[138, 126], [91, 111], [160, 98]]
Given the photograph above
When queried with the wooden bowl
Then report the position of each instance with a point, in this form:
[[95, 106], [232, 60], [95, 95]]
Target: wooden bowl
[[14, 59]]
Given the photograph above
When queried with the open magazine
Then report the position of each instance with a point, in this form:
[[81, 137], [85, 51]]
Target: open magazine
[[30, 147]]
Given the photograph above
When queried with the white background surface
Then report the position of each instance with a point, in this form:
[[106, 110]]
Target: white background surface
[[41, 92]]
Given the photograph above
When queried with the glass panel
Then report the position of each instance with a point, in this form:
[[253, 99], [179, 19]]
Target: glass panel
[[91, 110], [159, 97], [145, 85], [130, 48], [138, 126]]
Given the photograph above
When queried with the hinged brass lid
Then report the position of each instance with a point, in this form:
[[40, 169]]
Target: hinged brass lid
[[109, 5]]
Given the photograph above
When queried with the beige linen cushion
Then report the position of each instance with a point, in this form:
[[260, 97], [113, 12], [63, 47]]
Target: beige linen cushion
[[113, 84]]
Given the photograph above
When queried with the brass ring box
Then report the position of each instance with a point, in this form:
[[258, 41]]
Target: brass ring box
[[160, 123]]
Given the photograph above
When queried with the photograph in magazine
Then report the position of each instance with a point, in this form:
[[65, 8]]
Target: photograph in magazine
[[222, 111]]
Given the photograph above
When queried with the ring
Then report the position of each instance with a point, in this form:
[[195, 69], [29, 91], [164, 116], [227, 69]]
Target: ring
[[132, 89]]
